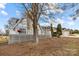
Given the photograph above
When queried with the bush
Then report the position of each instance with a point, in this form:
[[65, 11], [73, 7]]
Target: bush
[[76, 32], [54, 34]]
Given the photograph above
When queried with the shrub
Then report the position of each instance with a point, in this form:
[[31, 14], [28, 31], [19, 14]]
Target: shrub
[[54, 34]]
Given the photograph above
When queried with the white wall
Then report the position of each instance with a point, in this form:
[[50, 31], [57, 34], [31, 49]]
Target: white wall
[[13, 32]]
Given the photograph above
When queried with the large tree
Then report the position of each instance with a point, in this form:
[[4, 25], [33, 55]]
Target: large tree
[[34, 11]]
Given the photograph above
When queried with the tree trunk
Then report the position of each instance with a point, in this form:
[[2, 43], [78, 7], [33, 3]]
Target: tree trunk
[[35, 21], [35, 31]]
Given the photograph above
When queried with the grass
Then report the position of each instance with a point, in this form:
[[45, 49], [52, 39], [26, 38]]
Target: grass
[[3, 39], [72, 46]]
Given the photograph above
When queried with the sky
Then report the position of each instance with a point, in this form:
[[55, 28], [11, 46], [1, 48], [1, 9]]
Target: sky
[[64, 18], [8, 10]]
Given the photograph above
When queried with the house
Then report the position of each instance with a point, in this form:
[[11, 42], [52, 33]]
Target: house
[[23, 25], [23, 31], [26, 27]]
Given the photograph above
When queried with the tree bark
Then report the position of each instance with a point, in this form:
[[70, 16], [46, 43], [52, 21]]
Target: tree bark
[[35, 31], [35, 21]]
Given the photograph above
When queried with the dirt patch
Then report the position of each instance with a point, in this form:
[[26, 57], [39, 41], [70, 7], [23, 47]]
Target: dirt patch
[[46, 47]]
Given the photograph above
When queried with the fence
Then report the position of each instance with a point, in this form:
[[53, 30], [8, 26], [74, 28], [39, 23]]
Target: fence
[[15, 38]]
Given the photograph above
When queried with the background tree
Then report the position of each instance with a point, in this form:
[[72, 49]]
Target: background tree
[[7, 29], [76, 31], [52, 31], [59, 30], [11, 22]]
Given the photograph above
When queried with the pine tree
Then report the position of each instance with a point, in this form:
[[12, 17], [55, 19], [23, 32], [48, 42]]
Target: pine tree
[[51, 30], [59, 30]]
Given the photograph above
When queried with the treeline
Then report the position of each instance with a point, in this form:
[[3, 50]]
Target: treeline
[[74, 31]]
